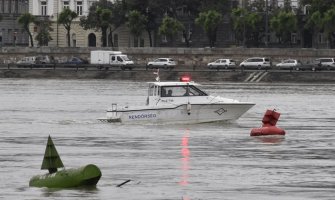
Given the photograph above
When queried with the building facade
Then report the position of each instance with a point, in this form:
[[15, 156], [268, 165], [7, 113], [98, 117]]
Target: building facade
[[50, 9], [12, 33]]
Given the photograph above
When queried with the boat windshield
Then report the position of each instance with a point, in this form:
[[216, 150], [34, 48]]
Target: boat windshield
[[182, 90]]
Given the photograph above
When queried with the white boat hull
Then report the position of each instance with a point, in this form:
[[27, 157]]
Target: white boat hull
[[194, 113]]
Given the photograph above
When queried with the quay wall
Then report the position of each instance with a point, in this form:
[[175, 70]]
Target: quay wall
[[199, 76], [191, 61], [188, 57]]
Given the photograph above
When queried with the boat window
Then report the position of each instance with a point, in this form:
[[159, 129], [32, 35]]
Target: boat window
[[183, 90], [194, 91]]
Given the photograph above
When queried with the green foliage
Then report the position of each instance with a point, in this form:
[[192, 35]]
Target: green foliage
[[283, 24], [170, 27], [26, 19], [209, 21], [239, 17], [329, 25], [315, 21], [136, 22], [44, 28], [103, 15], [65, 18]]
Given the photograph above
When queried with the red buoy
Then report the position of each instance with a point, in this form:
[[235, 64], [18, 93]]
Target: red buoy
[[269, 125]]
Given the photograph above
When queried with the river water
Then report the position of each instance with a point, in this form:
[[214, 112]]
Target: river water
[[188, 162]]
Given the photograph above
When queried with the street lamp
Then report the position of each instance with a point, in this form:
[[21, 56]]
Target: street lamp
[[14, 38], [266, 23], [0, 39], [57, 30]]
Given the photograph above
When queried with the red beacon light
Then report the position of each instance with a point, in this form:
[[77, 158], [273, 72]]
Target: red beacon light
[[185, 78]]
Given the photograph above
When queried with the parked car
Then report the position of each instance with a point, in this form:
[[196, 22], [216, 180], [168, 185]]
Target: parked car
[[166, 63], [310, 66], [75, 61], [289, 64], [45, 59], [26, 61], [326, 63], [256, 63], [222, 63]]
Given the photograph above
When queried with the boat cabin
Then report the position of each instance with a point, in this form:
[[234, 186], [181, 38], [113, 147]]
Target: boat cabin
[[174, 89]]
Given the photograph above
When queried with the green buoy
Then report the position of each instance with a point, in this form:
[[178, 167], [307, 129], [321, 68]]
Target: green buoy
[[88, 175]]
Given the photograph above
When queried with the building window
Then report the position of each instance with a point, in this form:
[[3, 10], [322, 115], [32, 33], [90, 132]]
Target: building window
[[74, 40], [5, 7], [79, 8], [43, 8], [66, 5]]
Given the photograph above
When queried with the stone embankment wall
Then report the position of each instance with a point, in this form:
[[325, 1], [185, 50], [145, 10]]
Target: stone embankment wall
[[166, 75], [185, 56]]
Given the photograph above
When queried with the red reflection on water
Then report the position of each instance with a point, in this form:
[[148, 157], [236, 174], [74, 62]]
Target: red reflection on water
[[270, 139], [185, 153]]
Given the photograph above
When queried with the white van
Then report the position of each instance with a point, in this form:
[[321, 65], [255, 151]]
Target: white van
[[27, 60], [111, 58]]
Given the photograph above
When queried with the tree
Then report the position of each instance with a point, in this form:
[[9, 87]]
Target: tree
[[118, 17], [255, 27], [25, 20], [238, 17], [314, 22], [98, 18], [65, 18], [44, 28], [283, 24], [318, 5], [103, 16], [136, 23], [183, 11], [209, 21], [170, 27], [329, 26]]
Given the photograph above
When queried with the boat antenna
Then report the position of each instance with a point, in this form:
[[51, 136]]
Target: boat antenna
[[51, 160], [157, 77]]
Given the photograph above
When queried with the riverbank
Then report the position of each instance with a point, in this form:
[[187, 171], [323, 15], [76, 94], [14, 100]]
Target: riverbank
[[184, 56], [198, 75]]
